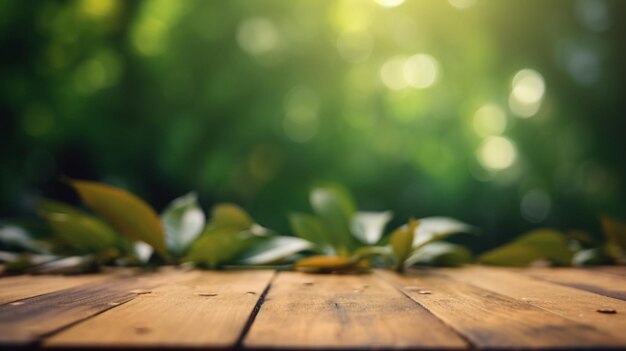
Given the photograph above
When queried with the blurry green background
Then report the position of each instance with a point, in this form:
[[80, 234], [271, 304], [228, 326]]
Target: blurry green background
[[505, 114]]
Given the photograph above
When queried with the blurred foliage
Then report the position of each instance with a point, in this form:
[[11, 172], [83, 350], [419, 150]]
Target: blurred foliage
[[349, 239], [507, 115], [126, 231]]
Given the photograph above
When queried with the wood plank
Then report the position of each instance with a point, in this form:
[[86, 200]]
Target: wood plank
[[25, 286], [571, 303], [611, 285], [304, 311], [619, 270], [26, 321], [205, 309], [491, 320]]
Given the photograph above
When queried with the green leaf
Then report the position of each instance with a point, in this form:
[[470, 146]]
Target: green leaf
[[551, 244], [335, 208], [227, 215], [274, 250], [183, 221], [77, 230], [514, 254], [369, 251], [540, 244], [310, 228], [128, 214], [51, 206], [437, 228], [441, 253], [368, 227], [230, 233], [81, 233], [217, 246], [402, 243]]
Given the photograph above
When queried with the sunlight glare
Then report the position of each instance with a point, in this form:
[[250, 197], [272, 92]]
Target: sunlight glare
[[389, 3]]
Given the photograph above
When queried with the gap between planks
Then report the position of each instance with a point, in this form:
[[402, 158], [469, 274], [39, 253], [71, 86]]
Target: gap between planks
[[618, 270], [22, 287], [307, 311], [578, 305], [599, 282], [483, 305], [255, 312], [25, 322], [202, 309], [494, 321]]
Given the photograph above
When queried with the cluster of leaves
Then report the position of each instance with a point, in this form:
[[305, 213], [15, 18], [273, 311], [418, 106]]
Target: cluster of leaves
[[559, 248], [124, 230], [348, 240]]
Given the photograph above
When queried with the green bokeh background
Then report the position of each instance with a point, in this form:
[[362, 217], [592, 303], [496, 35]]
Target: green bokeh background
[[254, 102]]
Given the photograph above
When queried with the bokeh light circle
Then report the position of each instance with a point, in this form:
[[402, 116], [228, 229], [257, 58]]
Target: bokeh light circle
[[488, 120], [497, 153], [420, 71]]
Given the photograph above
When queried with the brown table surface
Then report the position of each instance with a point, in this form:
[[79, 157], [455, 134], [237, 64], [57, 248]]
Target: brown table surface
[[474, 307]]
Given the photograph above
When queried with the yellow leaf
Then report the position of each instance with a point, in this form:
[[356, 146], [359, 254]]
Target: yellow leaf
[[402, 242], [127, 213], [327, 264]]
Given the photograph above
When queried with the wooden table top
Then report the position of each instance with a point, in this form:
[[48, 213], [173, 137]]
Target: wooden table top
[[464, 308]]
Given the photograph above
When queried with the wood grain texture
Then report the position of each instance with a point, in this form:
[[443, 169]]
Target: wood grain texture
[[619, 270], [611, 285], [203, 309], [22, 287], [344, 311], [26, 321], [468, 308], [571, 303], [491, 320]]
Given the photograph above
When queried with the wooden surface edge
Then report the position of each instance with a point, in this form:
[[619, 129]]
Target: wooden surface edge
[[27, 321], [493, 321], [204, 309]]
